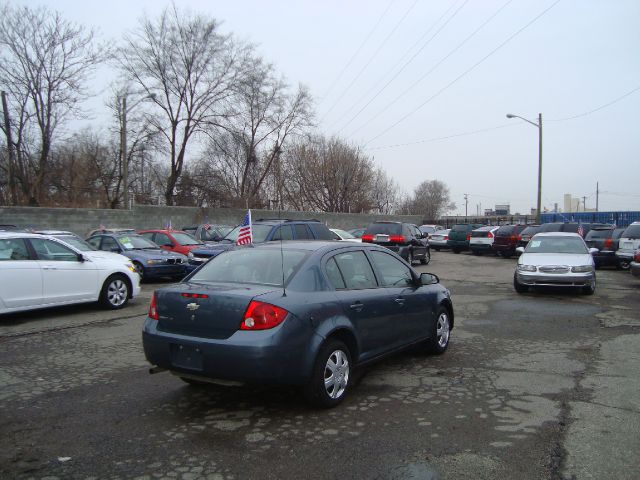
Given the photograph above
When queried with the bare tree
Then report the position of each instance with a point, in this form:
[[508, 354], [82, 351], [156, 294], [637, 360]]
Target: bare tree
[[384, 193], [328, 175], [432, 200], [189, 68], [45, 62], [266, 115]]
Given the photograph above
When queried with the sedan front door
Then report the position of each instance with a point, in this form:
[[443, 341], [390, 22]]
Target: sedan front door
[[65, 278], [20, 275]]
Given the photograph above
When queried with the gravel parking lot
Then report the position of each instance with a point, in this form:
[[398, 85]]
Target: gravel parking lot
[[539, 385]]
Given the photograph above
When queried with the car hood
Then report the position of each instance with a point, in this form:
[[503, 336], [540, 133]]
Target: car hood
[[569, 259], [110, 256], [218, 247], [155, 253]]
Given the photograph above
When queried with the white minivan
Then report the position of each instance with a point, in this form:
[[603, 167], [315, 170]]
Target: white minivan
[[628, 244], [39, 271]]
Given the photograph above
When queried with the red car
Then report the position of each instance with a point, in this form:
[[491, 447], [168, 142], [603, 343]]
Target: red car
[[172, 240]]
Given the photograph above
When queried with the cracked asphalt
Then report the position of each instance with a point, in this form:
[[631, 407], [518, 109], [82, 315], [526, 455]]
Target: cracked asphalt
[[543, 385]]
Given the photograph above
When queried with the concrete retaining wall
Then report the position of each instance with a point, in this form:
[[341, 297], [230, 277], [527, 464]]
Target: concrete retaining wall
[[82, 220]]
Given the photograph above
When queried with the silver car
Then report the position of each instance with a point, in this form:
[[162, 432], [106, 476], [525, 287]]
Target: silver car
[[555, 259]]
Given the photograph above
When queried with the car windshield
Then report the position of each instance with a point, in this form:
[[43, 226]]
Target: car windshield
[[76, 242], [185, 239], [556, 245], [385, 228], [632, 231], [136, 242], [251, 265], [259, 233], [427, 229]]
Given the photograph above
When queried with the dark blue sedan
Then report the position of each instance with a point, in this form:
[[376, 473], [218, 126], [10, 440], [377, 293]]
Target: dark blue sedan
[[148, 258], [302, 313]]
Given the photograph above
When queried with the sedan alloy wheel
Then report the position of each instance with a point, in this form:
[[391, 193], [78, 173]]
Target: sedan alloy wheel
[[115, 292]]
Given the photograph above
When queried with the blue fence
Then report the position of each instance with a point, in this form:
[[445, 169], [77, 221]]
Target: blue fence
[[621, 219]]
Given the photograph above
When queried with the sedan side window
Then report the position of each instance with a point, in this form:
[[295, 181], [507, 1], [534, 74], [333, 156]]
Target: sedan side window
[[148, 235], [13, 249], [163, 240], [48, 250], [356, 270], [94, 242], [302, 232], [110, 244], [335, 277], [394, 272], [283, 233]]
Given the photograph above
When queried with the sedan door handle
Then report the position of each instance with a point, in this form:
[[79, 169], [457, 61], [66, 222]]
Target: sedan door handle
[[357, 306], [399, 301], [49, 268]]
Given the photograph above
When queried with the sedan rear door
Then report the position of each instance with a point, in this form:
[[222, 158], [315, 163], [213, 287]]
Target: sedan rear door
[[20, 275]]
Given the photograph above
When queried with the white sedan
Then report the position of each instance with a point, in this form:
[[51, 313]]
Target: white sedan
[[39, 271], [344, 236], [555, 259]]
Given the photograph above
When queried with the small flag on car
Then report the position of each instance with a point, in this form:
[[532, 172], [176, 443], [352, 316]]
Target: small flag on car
[[245, 236], [580, 230]]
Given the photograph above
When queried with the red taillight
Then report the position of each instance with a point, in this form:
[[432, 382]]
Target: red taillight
[[367, 238], [262, 316], [446, 237], [636, 257], [608, 243], [396, 238], [468, 236], [153, 310], [519, 238], [194, 295], [490, 235]]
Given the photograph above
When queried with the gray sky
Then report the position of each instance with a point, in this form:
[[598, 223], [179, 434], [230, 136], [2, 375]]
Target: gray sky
[[396, 76]]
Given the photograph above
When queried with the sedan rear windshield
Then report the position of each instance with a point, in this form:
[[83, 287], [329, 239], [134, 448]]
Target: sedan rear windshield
[[599, 234], [531, 230], [460, 228], [632, 231], [552, 227], [506, 230], [185, 239], [251, 265], [556, 245], [386, 228]]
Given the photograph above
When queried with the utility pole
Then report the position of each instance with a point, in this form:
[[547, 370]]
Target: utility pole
[[584, 204], [597, 195], [466, 203], [123, 154], [12, 157]]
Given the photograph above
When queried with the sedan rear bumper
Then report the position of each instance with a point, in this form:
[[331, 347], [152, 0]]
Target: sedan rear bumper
[[246, 356]]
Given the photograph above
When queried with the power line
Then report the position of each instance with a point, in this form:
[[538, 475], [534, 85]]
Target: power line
[[442, 60], [447, 137], [370, 60], [350, 61], [466, 72], [598, 108], [504, 125], [408, 62]]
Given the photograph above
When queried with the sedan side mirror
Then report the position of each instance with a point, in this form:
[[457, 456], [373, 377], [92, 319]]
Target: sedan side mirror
[[520, 249], [428, 279], [80, 257], [593, 250]]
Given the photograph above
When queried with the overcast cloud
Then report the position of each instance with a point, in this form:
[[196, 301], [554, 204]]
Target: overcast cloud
[[399, 76]]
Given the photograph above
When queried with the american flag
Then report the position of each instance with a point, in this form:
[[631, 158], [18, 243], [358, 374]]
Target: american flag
[[245, 236], [580, 230]]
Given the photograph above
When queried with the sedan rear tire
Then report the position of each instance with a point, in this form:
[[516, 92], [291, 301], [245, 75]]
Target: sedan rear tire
[[331, 376], [115, 292], [426, 259]]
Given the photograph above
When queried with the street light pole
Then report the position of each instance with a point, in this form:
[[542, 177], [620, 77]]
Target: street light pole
[[539, 127]]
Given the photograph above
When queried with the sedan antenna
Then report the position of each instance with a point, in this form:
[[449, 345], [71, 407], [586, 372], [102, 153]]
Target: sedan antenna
[[284, 290]]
